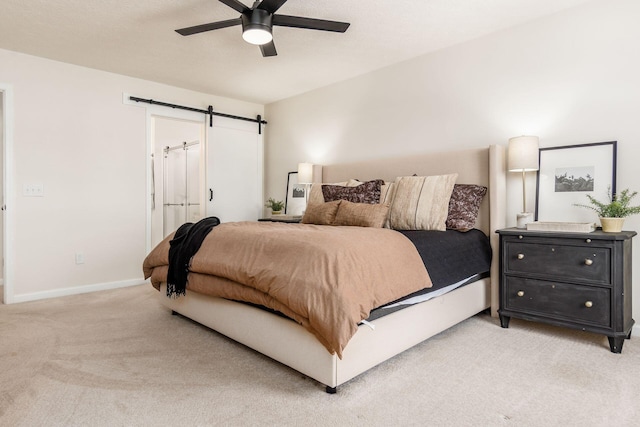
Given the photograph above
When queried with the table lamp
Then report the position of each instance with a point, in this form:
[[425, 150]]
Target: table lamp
[[523, 156]]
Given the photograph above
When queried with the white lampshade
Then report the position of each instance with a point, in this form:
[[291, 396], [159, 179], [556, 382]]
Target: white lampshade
[[523, 154], [305, 173], [257, 36]]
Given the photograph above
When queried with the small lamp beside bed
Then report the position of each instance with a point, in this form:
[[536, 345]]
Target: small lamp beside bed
[[308, 173], [523, 156]]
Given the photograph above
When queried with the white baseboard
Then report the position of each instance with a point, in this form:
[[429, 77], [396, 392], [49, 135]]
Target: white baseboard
[[635, 331], [54, 293]]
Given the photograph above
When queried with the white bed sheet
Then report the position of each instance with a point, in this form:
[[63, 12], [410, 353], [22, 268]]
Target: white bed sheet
[[429, 295]]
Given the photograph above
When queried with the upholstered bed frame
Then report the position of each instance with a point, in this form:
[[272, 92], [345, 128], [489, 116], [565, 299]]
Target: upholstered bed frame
[[292, 345]]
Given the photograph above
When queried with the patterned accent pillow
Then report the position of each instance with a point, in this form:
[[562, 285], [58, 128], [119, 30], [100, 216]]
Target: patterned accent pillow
[[321, 213], [421, 202], [367, 192], [464, 206], [361, 214], [315, 194]]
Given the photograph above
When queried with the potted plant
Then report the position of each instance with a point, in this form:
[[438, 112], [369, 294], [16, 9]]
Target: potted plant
[[275, 205], [613, 212]]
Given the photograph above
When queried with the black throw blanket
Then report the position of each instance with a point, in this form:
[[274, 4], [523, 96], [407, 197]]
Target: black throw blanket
[[183, 247]]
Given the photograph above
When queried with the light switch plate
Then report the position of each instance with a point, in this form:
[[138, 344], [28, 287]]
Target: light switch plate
[[33, 190]]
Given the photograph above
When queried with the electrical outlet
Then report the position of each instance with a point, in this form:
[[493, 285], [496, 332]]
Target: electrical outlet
[[79, 258]]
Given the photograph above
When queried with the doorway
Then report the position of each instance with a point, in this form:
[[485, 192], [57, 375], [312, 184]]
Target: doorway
[[177, 174], [182, 186], [6, 190]]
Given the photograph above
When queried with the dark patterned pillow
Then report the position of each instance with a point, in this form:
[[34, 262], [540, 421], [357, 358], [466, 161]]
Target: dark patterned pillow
[[367, 192], [464, 206]]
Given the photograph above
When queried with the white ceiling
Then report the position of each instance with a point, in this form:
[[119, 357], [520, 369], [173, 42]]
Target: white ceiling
[[137, 38]]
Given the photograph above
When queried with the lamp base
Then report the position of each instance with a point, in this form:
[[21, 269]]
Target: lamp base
[[524, 218]]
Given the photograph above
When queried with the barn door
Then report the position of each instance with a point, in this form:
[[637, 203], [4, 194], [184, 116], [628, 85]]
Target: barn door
[[234, 170]]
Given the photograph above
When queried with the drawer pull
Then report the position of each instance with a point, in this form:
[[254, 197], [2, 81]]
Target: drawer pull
[[520, 256], [521, 294], [588, 304], [588, 261], [588, 240]]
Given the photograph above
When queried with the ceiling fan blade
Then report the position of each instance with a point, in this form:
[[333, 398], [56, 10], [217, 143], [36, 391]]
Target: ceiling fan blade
[[236, 5], [310, 23], [268, 49], [271, 5], [208, 27]]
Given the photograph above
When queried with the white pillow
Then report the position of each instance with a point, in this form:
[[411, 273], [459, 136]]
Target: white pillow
[[421, 202]]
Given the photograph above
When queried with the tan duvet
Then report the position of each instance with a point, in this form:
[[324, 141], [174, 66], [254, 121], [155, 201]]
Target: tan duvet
[[326, 278]]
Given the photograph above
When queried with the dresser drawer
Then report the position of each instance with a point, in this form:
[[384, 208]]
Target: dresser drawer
[[577, 280], [559, 261], [575, 303]]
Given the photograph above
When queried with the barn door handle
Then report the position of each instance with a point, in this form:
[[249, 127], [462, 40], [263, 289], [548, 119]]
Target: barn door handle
[[211, 194]]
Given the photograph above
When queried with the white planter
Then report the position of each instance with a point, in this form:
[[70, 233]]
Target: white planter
[[612, 225]]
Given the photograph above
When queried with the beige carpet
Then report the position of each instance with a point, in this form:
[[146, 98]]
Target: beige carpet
[[117, 358]]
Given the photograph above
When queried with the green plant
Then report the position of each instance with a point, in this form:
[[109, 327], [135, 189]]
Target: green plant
[[275, 205], [616, 207]]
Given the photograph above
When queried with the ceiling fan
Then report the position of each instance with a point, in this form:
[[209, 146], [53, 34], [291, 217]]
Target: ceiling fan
[[258, 21]]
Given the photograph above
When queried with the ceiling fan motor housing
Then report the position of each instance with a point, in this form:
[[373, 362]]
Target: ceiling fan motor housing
[[257, 19]]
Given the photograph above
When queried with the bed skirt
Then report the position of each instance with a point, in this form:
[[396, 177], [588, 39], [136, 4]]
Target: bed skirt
[[289, 343]]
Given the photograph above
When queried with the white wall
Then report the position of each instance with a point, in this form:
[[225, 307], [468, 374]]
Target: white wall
[[570, 78], [73, 134]]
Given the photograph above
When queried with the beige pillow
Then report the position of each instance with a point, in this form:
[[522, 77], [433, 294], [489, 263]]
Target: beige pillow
[[386, 192], [361, 214], [421, 202], [321, 213], [315, 195]]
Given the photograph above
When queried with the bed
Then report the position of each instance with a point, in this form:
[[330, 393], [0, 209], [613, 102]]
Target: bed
[[292, 344]]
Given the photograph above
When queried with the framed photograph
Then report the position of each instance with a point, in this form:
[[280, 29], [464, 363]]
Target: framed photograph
[[567, 174], [296, 201]]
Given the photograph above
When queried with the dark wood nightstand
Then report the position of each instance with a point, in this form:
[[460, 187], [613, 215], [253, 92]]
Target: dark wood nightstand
[[577, 280], [293, 219]]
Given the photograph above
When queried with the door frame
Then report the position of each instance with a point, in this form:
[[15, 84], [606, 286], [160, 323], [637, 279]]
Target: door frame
[[185, 116], [8, 201], [152, 111]]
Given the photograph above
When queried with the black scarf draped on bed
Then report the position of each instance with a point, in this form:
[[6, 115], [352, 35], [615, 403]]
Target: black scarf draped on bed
[[183, 246]]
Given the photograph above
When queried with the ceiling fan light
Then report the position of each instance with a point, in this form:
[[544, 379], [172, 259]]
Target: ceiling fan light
[[257, 36], [256, 27]]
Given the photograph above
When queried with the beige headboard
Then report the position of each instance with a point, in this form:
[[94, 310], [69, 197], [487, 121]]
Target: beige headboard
[[472, 166], [484, 166]]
